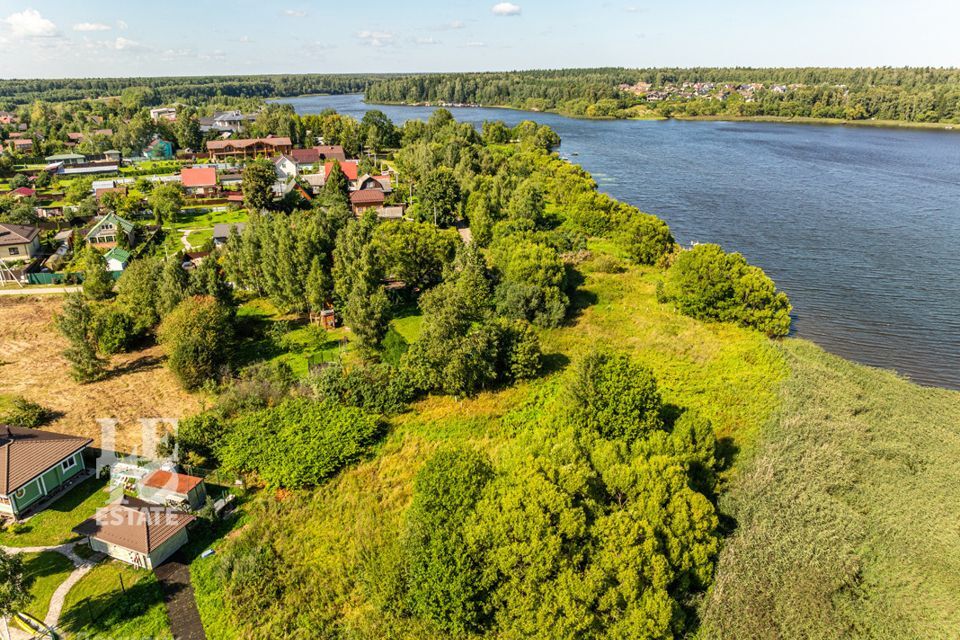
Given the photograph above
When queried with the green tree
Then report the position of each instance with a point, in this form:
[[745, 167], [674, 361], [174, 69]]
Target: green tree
[[173, 286], [646, 238], [166, 200], [532, 283], [336, 187], [137, 293], [614, 396], [414, 253], [198, 335], [258, 180], [528, 203], [76, 323], [439, 195], [97, 281], [446, 585], [114, 330], [14, 587]]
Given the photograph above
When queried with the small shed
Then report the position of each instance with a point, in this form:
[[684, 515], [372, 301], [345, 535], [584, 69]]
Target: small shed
[[168, 487], [137, 532]]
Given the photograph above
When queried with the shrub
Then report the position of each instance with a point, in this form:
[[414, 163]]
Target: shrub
[[197, 334], [708, 284], [646, 238], [378, 388], [615, 397], [298, 443], [115, 330], [24, 413]]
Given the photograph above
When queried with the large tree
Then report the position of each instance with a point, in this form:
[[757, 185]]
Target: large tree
[[14, 591], [166, 200], [76, 323], [197, 335], [258, 180], [439, 197]]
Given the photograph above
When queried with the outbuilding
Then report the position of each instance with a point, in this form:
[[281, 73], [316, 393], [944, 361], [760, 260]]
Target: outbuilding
[[168, 487]]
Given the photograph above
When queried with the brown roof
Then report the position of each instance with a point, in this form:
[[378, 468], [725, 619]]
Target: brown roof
[[134, 524], [305, 156], [240, 144], [367, 196], [26, 453], [11, 234], [167, 480], [331, 152]]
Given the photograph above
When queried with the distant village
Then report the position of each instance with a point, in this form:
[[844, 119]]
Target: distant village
[[210, 179], [707, 90]]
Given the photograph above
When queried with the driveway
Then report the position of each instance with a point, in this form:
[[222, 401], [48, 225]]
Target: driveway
[[174, 577]]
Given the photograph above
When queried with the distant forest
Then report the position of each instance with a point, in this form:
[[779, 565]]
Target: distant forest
[[922, 95], [907, 94]]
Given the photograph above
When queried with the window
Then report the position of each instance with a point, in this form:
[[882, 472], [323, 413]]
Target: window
[[21, 492], [14, 251], [69, 463]]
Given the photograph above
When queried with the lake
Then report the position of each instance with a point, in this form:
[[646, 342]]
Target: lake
[[860, 226]]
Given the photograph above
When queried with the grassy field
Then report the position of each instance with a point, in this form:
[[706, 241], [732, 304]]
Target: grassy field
[[32, 365], [53, 525], [326, 537], [98, 607], [45, 571], [846, 516]]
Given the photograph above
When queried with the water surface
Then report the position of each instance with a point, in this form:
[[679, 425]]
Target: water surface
[[860, 226]]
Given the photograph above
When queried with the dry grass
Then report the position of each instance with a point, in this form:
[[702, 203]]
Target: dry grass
[[31, 365]]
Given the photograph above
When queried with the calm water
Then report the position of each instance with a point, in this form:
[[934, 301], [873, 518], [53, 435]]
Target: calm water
[[860, 226]]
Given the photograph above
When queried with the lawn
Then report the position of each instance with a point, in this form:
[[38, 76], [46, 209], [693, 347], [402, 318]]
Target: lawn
[[203, 217], [45, 571], [116, 600], [53, 525]]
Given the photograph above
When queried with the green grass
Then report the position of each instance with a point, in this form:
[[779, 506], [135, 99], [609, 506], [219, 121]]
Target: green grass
[[202, 217], [408, 326], [97, 606], [53, 525], [846, 515], [45, 571]]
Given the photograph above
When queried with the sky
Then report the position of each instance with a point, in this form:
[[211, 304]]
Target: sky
[[97, 38]]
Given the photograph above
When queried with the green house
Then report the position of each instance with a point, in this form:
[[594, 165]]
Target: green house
[[36, 464], [159, 149]]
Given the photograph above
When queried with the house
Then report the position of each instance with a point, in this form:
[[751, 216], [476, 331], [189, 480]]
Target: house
[[361, 201], [35, 464], [22, 192], [159, 149], [167, 487], [381, 183], [66, 158], [18, 242], [285, 167], [104, 231], [21, 145], [136, 531], [351, 169], [249, 148], [200, 181], [112, 155], [331, 152], [226, 122], [163, 113], [315, 180], [305, 157], [117, 259], [221, 232]]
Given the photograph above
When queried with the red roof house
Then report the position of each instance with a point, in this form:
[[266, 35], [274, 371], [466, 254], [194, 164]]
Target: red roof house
[[351, 169], [199, 180], [22, 192]]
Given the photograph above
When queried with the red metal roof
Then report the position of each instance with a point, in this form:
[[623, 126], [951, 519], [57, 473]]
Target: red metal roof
[[199, 177], [351, 169], [367, 196], [174, 482], [26, 192]]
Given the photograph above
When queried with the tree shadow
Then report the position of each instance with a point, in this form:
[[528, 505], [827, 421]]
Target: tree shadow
[[727, 451], [104, 612], [553, 363], [143, 363]]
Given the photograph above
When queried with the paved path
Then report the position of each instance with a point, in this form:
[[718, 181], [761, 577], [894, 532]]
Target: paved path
[[82, 567], [28, 290], [174, 577]]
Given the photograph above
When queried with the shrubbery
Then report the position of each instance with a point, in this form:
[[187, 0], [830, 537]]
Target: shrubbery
[[24, 413], [708, 284], [198, 336]]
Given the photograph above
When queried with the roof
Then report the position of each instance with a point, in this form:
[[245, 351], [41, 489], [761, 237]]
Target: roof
[[170, 481], [21, 142], [367, 196], [65, 156], [26, 192], [223, 230], [218, 145], [305, 156], [26, 453], [199, 177], [118, 254], [331, 152], [11, 234], [134, 524], [110, 217], [157, 141], [350, 169]]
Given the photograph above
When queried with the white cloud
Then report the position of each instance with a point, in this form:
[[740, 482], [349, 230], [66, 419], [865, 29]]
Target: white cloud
[[376, 38], [30, 24], [506, 9], [126, 44], [122, 25], [295, 13], [91, 26]]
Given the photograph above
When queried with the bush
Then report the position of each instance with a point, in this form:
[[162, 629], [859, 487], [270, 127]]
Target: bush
[[115, 330], [615, 397], [298, 443], [378, 388], [197, 334], [24, 413], [708, 284], [646, 238]]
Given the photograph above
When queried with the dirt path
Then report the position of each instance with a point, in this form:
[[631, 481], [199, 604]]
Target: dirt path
[[38, 291], [174, 577]]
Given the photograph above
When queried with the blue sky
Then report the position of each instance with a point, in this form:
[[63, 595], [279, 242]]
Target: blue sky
[[59, 38]]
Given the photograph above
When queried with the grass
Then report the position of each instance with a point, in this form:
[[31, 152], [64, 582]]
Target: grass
[[846, 515], [53, 525], [203, 217], [327, 537], [45, 571], [98, 607]]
